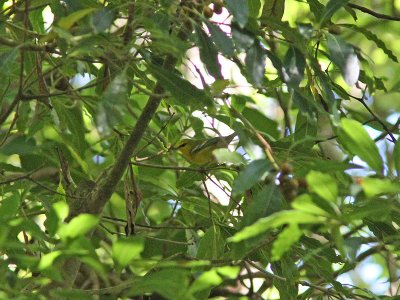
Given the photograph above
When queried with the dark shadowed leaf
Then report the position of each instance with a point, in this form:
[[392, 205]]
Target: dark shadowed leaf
[[208, 53], [343, 55], [255, 63], [239, 10], [222, 41]]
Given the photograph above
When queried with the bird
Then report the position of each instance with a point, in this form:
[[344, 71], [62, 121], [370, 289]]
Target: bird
[[200, 152]]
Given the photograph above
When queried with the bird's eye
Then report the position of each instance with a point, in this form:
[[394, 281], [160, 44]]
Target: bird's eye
[[182, 145]]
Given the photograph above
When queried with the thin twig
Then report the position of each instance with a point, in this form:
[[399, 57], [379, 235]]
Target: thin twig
[[373, 13]]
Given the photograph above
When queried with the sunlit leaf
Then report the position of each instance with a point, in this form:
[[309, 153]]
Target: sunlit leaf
[[323, 185]]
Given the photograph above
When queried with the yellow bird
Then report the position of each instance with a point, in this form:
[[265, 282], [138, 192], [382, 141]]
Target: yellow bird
[[200, 152]]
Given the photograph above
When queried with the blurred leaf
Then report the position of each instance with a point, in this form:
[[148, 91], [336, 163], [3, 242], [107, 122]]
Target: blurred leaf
[[374, 187], [68, 21], [112, 103], [355, 139], [323, 185], [229, 157], [78, 226], [274, 8], [305, 203], [208, 53], [293, 67], [275, 220], [48, 259], [9, 206], [396, 156], [342, 55], [243, 39], [8, 63], [211, 244], [255, 63], [103, 19], [290, 235], [222, 41], [182, 90], [316, 8], [261, 122], [266, 202], [239, 10], [126, 249], [250, 175], [255, 8], [374, 38], [170, 283], [331, 7]]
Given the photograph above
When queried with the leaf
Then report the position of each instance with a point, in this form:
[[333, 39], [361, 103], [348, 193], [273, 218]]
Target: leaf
[[261, 122], [255, 8], [374, 187], [355, 139], [9, 206], [182, 90], [275, 220], [294, 65], [240, 11], [243, 39], [374, 38], [169, 283], [343, 56], [124, 250], [72, 124], [211, 244], [103, 19], [226, 156], [323, 185], [48, 259], [208, 53], [396, 156], [253, 173], [222, 41], [255, 63], [78, 226], [330, 9], [68, 21], [110, 108], [316, 8], [266, 202], [285, 240], [274, 8], [306, 204], [8, 62]]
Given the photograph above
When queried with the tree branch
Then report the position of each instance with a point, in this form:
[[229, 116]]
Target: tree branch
[[373, 13]]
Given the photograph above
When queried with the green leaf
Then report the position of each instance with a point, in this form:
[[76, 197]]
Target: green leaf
[[396, 157], [126, 249], [240, 11], [208, 53], [71, 124], [9, 206], [374, 38], [253, 173], [255, 63], [285, 240], [355, 139], [243, 38], [306, 204], [374, 187], [276, 220], [343, 56], [78, 226], [316, 8], [103, 19], [211, 244], [111, 106], [182, 90], [266, 202], [68, 21], [330, 9], [294, 65], [255, 8], [222, 41], [323, 185], [8, 62], [229, 157], [261, 122], [48, 259], [170, 283], [274, 8]]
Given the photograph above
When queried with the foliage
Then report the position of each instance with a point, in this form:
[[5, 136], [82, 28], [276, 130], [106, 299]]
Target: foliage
[[95, 201]]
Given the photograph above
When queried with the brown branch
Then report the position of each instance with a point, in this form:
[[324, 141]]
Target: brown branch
[[373, 13]]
